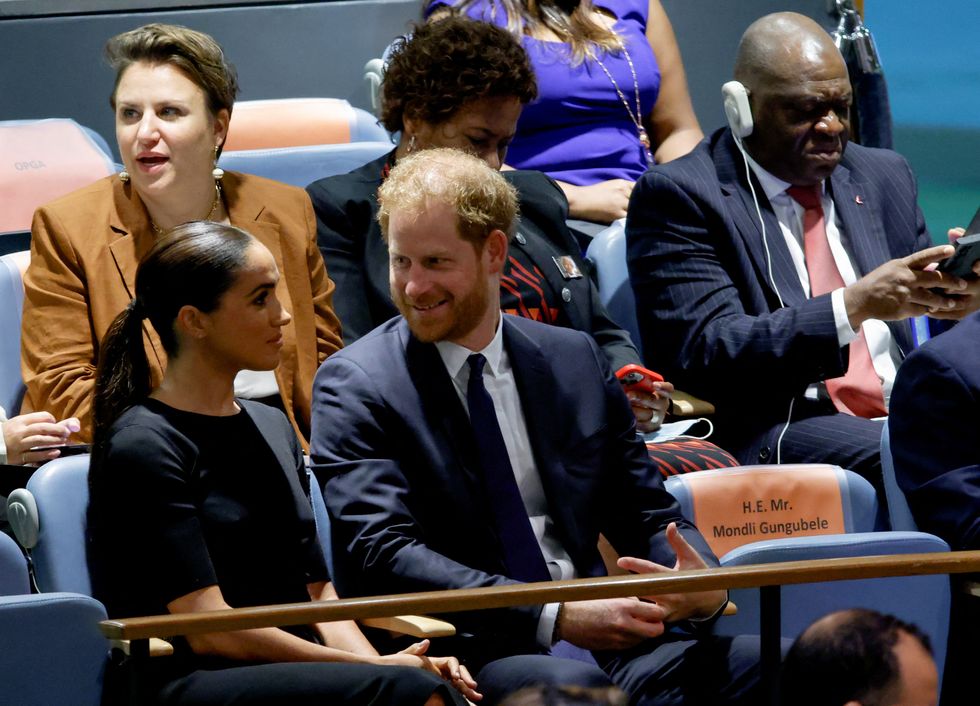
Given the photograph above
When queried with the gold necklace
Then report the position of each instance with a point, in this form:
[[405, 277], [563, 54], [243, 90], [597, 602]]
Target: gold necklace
[[637, 117], [214, 207]]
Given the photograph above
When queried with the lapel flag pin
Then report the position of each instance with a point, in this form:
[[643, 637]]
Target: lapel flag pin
[[858, 200]]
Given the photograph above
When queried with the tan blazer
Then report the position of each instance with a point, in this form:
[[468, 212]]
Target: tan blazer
[[85, 248]]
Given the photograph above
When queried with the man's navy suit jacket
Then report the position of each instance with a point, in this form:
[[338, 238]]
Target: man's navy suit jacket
[[709, 314], [394, 454], [935, 434]]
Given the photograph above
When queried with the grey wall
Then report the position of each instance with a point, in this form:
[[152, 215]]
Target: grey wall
[[708, 32], [51, 66]]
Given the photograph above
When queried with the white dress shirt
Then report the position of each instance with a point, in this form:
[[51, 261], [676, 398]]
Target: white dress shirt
[[885, 353], [498, 378], [256, 384]]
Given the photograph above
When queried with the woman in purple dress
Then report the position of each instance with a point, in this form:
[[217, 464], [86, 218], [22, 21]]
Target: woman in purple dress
[[612, 94]]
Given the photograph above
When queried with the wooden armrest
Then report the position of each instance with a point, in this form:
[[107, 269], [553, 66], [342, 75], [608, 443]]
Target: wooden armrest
[[519, 594], [415, 625], [420, 626], [158, 647], [685, 405]]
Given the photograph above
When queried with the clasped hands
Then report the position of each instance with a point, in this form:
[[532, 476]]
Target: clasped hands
[[448, 668], [620, 623]]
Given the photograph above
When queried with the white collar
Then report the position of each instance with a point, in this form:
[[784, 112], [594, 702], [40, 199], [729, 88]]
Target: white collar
[[454, 356], [772, 185]]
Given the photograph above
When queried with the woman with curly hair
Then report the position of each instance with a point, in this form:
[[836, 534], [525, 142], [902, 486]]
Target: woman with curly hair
[[461, 83], [613, 97]]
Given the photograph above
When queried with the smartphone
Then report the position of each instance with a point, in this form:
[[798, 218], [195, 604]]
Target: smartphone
[[65, 449], [636, 377], [974, 226], [967, 252]]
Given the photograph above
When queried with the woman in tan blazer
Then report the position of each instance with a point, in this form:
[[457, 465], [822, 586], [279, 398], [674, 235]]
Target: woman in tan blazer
[[172, 100]]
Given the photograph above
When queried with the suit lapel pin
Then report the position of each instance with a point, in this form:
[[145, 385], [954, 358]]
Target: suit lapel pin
[[858, 200], [567, 266]]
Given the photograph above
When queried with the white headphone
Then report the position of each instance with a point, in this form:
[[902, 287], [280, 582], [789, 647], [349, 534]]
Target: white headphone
[[739, 115], [737, 109]]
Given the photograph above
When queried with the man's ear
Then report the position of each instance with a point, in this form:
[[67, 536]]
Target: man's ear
[[191, 322], [495, 250]]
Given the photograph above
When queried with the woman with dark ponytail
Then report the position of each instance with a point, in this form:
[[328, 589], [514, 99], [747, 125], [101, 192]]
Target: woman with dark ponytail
[[198, 499]]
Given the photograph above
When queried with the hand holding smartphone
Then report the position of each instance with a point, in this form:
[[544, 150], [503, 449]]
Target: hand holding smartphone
[[960, 264], [64, 449], [636, 377]]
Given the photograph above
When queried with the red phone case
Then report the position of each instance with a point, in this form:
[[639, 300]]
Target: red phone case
[[636, 377]]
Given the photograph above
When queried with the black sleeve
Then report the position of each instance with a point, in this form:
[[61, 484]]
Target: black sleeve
[[151, 540], [342, 226], [544, 205]]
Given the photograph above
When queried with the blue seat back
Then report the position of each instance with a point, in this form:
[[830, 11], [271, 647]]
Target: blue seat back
[[607, 251], [12, 267], [60, 488], [301, 166], [51, 650], [920, 329], [899, 514], [922, 600], [14, 579]]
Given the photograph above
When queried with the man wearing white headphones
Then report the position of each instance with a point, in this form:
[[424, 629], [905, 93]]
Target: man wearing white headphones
[[776, 275]]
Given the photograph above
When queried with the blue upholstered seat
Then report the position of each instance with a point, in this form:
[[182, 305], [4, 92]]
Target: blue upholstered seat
[[49, 520], [301, 166], [51, 650], [12, 267], [922, 600], [899, 514], [607, 251]]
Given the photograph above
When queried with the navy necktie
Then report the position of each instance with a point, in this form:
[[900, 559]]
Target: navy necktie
[[522, 554]]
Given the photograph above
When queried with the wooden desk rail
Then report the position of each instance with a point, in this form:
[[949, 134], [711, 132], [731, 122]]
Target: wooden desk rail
[[761, 575]]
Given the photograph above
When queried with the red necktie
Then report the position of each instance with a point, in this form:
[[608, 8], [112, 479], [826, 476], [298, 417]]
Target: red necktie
[[859, 391]]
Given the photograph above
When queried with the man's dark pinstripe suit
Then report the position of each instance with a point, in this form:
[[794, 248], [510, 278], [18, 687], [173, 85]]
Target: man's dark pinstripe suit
[[710, 317]]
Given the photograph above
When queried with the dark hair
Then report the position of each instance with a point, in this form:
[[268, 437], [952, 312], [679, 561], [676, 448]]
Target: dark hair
[[194, 264], [570, 20], [846, 656], [195, 53], [445, 65]]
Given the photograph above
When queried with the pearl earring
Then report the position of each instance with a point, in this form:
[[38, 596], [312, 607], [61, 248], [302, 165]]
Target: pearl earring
[[124, 176], [218, 173]]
